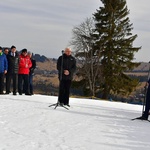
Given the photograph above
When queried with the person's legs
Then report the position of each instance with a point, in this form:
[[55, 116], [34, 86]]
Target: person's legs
[[1, 83], [14, 83], [8, 82], [23, 91], [31, 84], [147, 105], [20, 78], [26, 84], [61, 91], [67, 92]]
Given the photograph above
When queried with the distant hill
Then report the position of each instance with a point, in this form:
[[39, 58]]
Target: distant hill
[[40, 58], [37, 57], [143, 67]]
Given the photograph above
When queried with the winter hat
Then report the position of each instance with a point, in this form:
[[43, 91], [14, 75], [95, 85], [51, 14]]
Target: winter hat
[[29, 52], [24, 50]]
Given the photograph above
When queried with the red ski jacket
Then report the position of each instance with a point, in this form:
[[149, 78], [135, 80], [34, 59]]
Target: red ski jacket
[[24, 64]]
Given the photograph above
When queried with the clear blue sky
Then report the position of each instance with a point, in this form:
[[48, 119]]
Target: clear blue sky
[[45, 26]]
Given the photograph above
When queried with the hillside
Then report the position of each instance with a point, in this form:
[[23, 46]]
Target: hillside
[[50, 64], [46, 78], [142, 67]]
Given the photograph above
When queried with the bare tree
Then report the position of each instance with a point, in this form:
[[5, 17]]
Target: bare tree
[[89, 60]]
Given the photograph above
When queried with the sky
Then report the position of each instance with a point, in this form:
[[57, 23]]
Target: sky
[[45, 27], [27, 123]]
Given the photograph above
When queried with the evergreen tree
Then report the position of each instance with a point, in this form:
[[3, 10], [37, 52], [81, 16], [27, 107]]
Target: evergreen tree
[[114, 41]]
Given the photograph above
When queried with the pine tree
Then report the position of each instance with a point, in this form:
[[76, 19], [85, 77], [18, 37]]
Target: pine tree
[[114, 41]]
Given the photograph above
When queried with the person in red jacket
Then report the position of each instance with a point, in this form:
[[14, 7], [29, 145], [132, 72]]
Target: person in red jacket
[[23, 72]]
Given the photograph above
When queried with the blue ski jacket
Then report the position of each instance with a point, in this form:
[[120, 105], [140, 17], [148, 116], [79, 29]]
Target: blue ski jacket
[[3, 63]]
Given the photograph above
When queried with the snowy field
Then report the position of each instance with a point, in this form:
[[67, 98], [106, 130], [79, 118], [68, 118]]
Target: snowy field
[[27, 123]]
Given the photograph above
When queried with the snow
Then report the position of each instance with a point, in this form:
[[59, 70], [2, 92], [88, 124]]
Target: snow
[[27, 123]]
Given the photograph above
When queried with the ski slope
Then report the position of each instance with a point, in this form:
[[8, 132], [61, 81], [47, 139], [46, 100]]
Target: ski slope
[[27, 123]]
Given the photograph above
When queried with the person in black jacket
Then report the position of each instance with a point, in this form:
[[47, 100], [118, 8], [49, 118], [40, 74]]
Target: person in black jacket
[[66, 66], [145, 114], [12, 73], [31, 73]]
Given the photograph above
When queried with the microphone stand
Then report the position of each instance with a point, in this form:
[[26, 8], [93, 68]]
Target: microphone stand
[[61, 72]]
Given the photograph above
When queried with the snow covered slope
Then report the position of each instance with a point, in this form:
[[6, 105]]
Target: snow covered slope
[[27, 123]]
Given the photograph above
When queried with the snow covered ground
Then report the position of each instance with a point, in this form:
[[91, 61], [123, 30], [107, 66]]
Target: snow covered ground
[[27, 123]]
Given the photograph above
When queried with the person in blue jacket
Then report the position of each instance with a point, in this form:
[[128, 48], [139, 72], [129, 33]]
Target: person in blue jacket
[[3, 69]]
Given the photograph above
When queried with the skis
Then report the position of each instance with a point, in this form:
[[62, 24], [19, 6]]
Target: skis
[[140, 118]]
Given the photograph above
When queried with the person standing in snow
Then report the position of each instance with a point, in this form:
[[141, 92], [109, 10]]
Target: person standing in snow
[[12, 73], [147, 105], [66, 66], [23, 73], [3, 69], [31, 72]]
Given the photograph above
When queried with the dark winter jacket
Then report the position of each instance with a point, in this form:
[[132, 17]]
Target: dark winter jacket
[[148, 81], [13, 63], [3, 63], [33, 61], [66, 63]]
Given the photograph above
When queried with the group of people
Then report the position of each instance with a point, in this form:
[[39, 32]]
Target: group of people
[[18, 68], [15, 66]]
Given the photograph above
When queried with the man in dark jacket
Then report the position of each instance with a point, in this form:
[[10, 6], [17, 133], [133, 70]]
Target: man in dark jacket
[[31, 72], [147, 105], [12, 73], [66, 66], [3, 69]]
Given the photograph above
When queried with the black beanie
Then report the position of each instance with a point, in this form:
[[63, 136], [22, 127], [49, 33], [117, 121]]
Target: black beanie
[[24, 50]]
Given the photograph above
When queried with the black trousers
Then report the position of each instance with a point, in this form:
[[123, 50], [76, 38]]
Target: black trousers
[[23, 78], [64, 91], [30, 85], [1, 82], [13, 77], [147, 106]]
